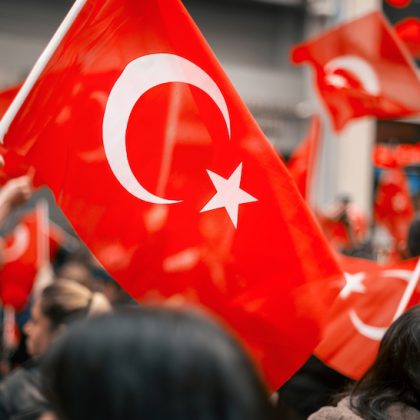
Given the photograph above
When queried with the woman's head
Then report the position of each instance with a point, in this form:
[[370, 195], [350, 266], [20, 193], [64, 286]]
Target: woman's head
[[59, 304], [395, 374], [152, 364]]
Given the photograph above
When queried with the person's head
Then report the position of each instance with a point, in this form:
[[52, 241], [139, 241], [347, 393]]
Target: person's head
[[395, 374], [152, 364], [75, 265], [413, 238], [57, 305]]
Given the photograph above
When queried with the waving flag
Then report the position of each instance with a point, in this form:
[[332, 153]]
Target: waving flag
[[167, 178], [302, 163], [20, 259], [356, 77], [363, 311], [393, 207]]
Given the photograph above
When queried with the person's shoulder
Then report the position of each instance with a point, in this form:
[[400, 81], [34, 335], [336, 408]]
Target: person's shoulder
[[402, 412], [341, 411], [27, 372]]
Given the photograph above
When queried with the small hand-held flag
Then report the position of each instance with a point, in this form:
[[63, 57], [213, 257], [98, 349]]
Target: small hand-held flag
[[24, 251]]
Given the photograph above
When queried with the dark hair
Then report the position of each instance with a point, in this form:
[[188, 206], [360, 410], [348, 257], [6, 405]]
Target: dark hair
[[152, 364], [394, 377], [65, 301], [413, 239]]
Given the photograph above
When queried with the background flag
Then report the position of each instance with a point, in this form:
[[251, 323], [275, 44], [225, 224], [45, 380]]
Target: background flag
[[362, 312], [20, 257], [356, 78], [393, 207]]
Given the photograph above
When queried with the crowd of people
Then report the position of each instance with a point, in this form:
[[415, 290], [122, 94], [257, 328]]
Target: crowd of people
[[91, 352]]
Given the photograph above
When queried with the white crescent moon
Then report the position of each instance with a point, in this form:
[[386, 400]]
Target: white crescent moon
[[18, 246], [139, 76], [370, 331], [359, 67]]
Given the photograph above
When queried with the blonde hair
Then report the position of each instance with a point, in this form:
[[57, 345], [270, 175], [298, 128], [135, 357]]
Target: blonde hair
[[66, 300]]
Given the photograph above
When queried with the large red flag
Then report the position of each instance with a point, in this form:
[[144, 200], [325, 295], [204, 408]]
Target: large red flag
[[393, 207], [20, 255], [362, 312], [302, 163], [362, 69], [207, 214]]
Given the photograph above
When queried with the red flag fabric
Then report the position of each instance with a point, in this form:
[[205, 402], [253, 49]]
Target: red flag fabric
[[6, 98], [20, 253], [302, 163], [393, 207], [356, 78], [207, 215], [362, 312], [14, 165], [409, 32]]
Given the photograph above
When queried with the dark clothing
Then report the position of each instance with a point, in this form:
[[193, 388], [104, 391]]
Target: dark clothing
[[312, 387], [20, 394]]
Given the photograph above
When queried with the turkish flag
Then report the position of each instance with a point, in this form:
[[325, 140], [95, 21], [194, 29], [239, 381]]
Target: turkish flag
[[362, 69], [393, 207], [302, 163], [364, 309], [167, 178], [20, 259]]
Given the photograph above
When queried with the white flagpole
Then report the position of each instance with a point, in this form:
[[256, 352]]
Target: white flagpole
[[39, 67], [408, 293], [44, 275], [43, 234]]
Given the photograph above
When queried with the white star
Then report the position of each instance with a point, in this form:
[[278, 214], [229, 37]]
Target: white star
[[229, 195], [353, 284]]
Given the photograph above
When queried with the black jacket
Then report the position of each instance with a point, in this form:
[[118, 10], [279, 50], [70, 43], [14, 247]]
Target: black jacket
[[20, 394]]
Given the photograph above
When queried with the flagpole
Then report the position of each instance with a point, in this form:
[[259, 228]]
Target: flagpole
[[39, 67], [43, 245], [408, 293]]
